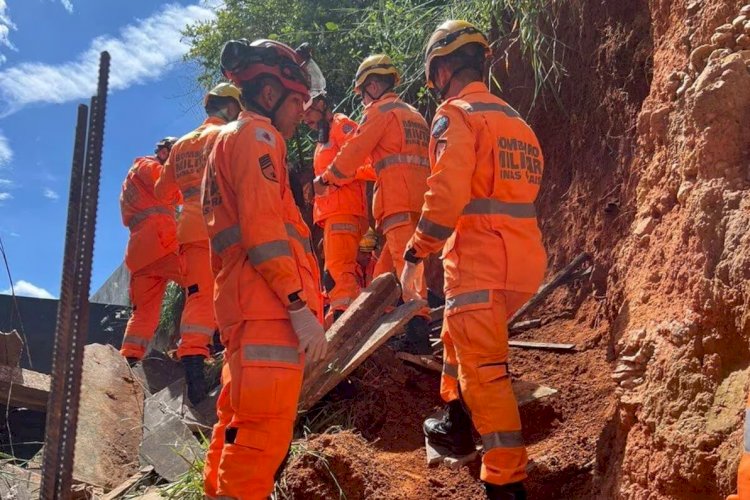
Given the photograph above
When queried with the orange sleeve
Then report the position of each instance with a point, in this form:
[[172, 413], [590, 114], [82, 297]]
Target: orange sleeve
[[165, 187], [366, 172], [453, 159], [355, 152], [257, 168]]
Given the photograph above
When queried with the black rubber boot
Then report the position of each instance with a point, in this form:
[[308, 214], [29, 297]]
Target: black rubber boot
[[132, 361], [452, 432], [511, 491], [195, 378]]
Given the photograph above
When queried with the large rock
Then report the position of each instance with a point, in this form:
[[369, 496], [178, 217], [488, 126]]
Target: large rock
[[109, 420]]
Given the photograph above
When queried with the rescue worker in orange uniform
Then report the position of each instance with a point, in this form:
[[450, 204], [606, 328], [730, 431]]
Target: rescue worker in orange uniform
[[183, 172], [151, 255], [266, 292], [366, 259], [743, 472], [486, 170], [342, 213], [395, 138]]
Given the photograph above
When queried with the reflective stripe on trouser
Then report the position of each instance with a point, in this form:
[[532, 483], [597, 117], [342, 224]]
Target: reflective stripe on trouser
[[341, 235], [475, 340], [264, 386], [147, 287], [216, 445], [198, 323]]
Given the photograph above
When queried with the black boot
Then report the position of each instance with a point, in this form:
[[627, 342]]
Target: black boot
[[417, 338], [511, 491], [452, 432], [132, 361], [195, 378]]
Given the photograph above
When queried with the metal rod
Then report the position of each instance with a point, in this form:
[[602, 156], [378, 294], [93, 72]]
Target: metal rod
[[73, 311]]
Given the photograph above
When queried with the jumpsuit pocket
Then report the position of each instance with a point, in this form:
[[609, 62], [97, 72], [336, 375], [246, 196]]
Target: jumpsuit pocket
[[492, 372], [451, 262]]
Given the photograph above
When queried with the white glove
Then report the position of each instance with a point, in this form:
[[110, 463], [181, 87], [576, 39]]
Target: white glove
[[408, 280], [312, 338]]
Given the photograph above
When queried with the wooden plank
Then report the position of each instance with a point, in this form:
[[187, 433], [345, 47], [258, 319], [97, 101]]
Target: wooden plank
[[525, 392], [559, 279], [356, 352], [522, 326], [357, 321], [541, 345], [11, 347], [24, 388], [128, 484]]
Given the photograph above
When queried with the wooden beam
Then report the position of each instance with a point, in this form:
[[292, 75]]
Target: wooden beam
[[541, 345], [11, 346], [24, 388], [128, 484], [354, 351], [358, 320], [559, 279]]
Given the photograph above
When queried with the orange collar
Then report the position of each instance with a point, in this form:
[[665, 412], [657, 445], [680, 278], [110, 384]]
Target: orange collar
[[390, 96], [249, 115], [473, 88], [213, 120]]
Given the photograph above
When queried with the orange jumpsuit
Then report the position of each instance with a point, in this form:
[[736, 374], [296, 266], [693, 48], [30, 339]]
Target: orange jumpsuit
[[743, 473], [183, 172], [486, 169], [266, 261], [151, 255], [342, 213], [395, 137]]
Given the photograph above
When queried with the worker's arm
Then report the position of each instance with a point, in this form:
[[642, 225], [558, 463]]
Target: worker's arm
[[366, 172], [453, 158], [357, 149], [257, 168], [165, 187]]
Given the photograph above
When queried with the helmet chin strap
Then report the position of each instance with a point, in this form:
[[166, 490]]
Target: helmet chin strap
[[441, 92], [271, 114], [375, 98]]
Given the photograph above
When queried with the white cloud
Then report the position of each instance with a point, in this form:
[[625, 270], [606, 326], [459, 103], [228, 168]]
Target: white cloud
[[5, 196], [6, 183], [26, 289], [6, 154], [52, 195], [6, 26], [68, 5], [142, 52]]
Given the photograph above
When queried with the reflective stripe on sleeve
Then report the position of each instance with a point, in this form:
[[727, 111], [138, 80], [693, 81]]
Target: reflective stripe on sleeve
[[345, 227], [399, 159], [267, 251], [225, 238], [479, 107], [393, 219], [199, 329], [143, 214], [433, 229], [336, 172], [450, 370], [292, 232], [139, 341]]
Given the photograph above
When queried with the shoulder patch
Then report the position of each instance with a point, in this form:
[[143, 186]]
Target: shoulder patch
[[263, 135], [440, 126], [267, 168], [347, 128]]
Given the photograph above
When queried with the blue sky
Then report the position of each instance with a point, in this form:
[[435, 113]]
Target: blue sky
[[48, 62]]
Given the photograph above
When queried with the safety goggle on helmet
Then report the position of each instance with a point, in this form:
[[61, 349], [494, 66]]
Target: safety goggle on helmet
[[244, 61]]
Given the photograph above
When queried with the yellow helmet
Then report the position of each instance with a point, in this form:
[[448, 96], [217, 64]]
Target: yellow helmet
[[223, 90], [378, 64], [368, 242], [449, 37]]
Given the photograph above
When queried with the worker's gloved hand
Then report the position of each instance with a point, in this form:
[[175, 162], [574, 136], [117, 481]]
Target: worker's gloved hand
[[408, 280], [312, 338], [321, 187]]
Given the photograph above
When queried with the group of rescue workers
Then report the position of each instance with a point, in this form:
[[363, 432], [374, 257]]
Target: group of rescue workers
[[242, 252]]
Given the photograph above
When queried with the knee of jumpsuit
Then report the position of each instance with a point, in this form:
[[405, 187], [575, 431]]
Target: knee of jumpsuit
[[265, 382], [479, 334], [340, 246], [146, 292], [198, 321], [215, 447]]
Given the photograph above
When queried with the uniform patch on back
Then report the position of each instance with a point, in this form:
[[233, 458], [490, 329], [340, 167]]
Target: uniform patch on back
[[347, 128], [264, 135], [440, 126], [267, 168]]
